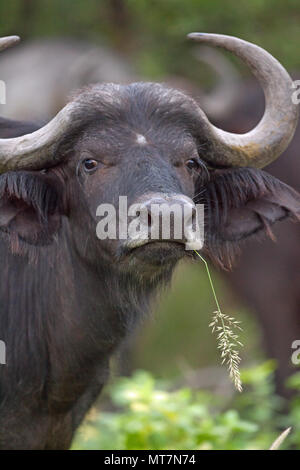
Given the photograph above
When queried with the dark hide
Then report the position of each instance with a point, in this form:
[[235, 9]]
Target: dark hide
[[67, 299], [10, 128]]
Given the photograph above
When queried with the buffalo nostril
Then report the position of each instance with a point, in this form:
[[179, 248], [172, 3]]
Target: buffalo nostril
[[167, 217], [145, 215], [192, 218]]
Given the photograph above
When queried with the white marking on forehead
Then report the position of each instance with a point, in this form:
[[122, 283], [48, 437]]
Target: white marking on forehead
[[141, 139]]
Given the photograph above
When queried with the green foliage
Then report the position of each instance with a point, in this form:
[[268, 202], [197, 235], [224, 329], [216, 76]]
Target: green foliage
[[150, 415], [153, 31]]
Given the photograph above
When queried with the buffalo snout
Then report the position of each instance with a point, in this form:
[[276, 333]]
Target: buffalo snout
[[159, 217]]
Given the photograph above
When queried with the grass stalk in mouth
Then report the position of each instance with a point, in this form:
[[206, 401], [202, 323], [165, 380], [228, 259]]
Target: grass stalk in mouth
[[224, 326]]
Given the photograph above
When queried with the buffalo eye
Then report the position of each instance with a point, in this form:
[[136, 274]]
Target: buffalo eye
[[192, 164], [90, 164]]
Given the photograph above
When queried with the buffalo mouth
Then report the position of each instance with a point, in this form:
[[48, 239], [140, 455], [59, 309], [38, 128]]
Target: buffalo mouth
[[154, 252]]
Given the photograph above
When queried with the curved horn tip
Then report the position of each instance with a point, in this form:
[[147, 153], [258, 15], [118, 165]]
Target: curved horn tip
[[197, 35], [8, 41], [273, 133]]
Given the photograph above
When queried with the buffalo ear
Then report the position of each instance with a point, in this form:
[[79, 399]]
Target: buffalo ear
[[240, 203], [260, 214], [30, 208]]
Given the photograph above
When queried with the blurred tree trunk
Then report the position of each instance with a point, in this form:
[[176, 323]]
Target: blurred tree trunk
[[119, 18], [26, 16]]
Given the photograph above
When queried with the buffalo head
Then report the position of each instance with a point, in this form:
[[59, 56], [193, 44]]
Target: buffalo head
[[151, 144]]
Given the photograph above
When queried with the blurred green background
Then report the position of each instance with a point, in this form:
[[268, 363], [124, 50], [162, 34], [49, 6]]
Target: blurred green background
[[153, 32]]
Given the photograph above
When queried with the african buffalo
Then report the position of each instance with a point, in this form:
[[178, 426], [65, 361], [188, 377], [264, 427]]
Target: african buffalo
[[72, 64], [68, 299]]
